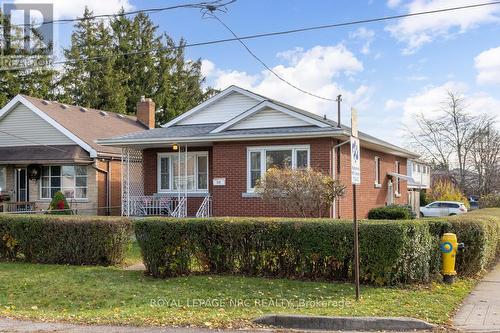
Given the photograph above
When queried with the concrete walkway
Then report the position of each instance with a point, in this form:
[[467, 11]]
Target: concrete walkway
[[480, 311]]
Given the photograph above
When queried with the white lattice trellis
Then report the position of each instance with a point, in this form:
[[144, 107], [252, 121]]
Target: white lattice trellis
[[132, 179]]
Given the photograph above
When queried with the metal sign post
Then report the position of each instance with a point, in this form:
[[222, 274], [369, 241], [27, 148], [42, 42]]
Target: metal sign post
[[355, 180]]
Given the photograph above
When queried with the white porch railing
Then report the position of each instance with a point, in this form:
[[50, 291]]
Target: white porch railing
[[205, 209], [181, 208], [150, 205]]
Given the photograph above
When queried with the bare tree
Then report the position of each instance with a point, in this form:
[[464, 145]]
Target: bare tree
[[450, 139], [485, 157], [427, 138], [304, 192]]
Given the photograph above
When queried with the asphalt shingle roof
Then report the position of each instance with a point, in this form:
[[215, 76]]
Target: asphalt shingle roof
[[89, 124]]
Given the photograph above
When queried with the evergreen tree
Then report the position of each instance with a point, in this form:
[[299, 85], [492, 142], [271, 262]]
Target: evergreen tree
[[180, 86], [136, 38], [30, 77], [158, 69], [90, 78]]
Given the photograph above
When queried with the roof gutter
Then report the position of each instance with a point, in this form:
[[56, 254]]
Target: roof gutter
[[337, 133], [128, 142]]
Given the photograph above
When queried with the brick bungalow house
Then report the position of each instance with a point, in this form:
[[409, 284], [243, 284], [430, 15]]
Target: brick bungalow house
[[46, 146], [207, 160]]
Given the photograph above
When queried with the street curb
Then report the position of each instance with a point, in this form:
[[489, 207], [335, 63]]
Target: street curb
[[344, 323]]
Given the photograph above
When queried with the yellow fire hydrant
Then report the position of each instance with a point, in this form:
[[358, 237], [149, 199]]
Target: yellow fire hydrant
[[449, 248]]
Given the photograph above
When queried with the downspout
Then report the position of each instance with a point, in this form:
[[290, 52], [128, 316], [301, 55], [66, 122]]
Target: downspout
[[338, 175], [331, 167]]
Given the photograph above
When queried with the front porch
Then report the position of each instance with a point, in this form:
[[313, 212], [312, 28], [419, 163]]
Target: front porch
[[178, 187], [31, 175]]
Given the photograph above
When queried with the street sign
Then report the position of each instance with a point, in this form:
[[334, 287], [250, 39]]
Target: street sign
[[355, 161]]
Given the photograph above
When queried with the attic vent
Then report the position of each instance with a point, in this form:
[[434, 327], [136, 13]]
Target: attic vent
[[45, 102], [83, 109], [120, 116], [64, 106], [103, 113]]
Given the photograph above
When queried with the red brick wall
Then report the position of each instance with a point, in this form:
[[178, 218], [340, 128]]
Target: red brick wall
[[113, 167], [229, 160], [150, 174], [367, 195]]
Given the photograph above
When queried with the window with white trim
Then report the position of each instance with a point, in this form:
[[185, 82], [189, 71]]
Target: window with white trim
[[71, 180], [178, 173], [261, 159], [3, 178], [377, 171], [397, 182]]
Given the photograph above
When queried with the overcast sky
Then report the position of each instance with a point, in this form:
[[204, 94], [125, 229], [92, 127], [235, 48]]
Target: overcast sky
[[388, 70]]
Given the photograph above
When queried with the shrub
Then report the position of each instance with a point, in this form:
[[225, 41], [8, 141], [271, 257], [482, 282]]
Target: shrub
[[390, 252], [59, 205], [443, 190], [303, 192], [489, 201], [64, 240], [479, 230], [391, 212], [423, 199]]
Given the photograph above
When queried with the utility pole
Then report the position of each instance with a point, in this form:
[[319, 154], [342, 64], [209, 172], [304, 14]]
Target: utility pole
[[339, 99]]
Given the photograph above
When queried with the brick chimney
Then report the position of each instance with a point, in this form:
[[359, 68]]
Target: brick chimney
[[146, 112]]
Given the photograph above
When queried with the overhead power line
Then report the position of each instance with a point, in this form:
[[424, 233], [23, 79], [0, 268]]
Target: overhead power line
[[195, 5], [32, 141], [281, 78], [276, 33]]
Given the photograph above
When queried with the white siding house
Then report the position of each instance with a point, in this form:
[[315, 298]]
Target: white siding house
[[420, 171]]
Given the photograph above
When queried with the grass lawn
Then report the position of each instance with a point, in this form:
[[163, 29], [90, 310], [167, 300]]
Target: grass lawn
[[114, 296], [133, 254]]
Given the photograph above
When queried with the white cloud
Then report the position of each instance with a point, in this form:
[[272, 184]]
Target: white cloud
[[487, 64], [393, 3], [392, 105], [75, 8], [314, 70], [430, 100], [364, 35], [207, 67], [417, 31]]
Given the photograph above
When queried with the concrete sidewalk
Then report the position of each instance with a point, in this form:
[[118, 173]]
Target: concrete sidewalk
[[480, 311]]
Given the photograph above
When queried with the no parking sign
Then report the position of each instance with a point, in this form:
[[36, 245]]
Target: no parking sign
[[355, 161]]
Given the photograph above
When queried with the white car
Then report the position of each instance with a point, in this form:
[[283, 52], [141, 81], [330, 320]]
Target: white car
[[443, 208]]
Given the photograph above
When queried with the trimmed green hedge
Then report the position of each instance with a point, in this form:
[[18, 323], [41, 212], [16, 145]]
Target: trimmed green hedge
[[479, 230], [391, 212], [391, 252], [71, 240]]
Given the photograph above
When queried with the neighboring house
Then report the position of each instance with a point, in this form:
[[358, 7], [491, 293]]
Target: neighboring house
[[208, 160], [47, 147], [420, 173]]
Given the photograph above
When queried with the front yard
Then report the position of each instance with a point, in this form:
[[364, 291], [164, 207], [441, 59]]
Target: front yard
[[111, 295]]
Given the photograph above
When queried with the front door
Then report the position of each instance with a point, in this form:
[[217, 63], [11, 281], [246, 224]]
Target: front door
[[22, 193]]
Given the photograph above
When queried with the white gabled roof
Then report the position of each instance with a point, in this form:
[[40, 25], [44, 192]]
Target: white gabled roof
[[301, 120], [237, 108], [215, 99]]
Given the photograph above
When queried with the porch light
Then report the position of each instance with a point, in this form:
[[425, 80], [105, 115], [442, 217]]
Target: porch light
[[175, 147]]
